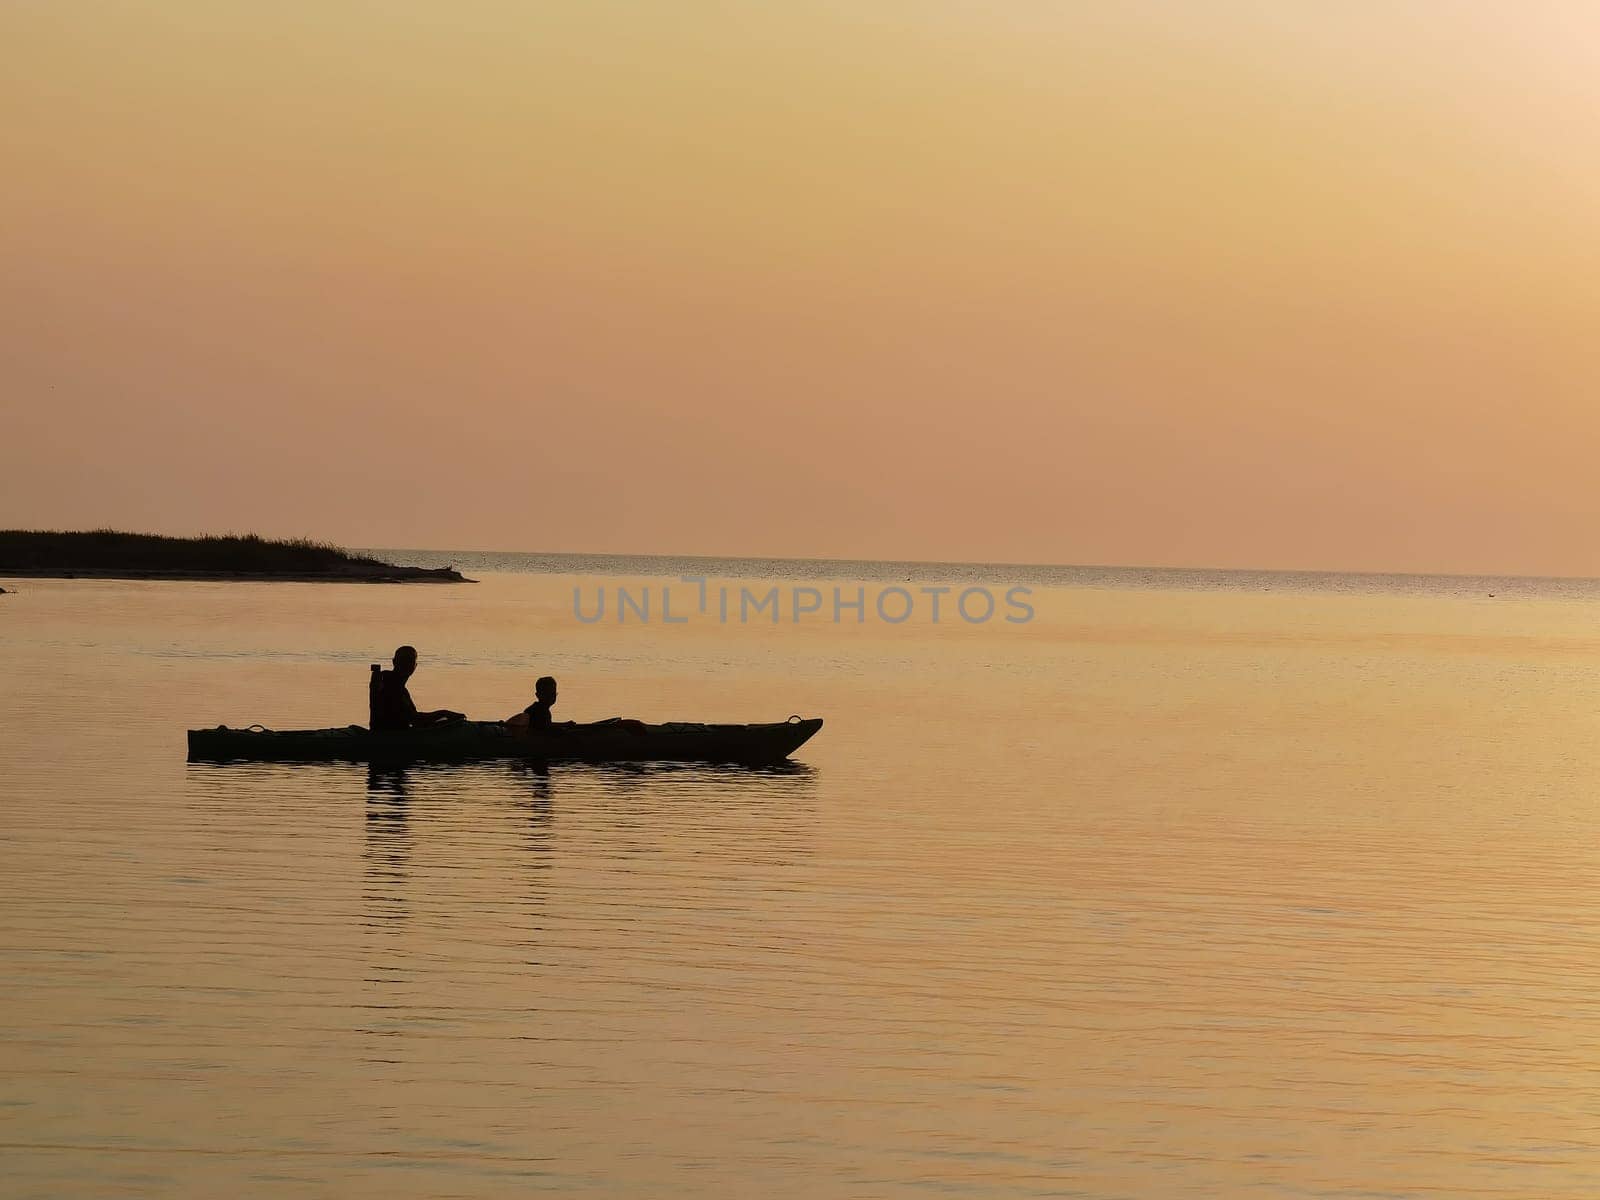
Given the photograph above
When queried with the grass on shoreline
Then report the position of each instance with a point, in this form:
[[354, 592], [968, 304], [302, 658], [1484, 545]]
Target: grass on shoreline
[[108, 550]]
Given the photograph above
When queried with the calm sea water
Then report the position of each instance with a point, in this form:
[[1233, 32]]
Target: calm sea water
[[1195, 885]]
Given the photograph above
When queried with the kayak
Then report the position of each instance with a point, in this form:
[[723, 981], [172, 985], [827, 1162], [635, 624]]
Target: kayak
[[606, 741]]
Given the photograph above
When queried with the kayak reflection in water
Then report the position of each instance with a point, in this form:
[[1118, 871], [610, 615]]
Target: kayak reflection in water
[[536, 717], [390, 702]]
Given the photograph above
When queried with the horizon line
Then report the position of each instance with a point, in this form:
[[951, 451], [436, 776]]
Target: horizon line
[[934, 562]]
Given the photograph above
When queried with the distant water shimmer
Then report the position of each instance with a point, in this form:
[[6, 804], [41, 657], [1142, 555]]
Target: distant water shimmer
[[998, 574], [1200, 884]]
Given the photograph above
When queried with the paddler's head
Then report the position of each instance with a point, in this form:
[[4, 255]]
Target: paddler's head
[[405, 661], [544, 689]]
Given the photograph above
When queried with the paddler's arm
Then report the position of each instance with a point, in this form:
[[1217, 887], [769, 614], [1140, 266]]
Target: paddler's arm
[[438, 716]]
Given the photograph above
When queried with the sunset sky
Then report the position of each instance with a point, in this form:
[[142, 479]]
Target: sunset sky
[[1215, 284]]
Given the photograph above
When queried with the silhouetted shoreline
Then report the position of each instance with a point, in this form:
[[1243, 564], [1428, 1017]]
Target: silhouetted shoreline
[[111, 554]]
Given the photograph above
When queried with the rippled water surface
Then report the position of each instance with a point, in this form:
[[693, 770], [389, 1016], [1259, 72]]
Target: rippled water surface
[[1167, 893]]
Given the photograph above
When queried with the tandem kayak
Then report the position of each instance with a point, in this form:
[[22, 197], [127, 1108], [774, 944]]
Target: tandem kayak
[[607, 741]]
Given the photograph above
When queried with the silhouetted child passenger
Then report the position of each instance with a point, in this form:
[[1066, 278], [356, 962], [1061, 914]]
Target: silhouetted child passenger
[[536, 717], [544, 699]]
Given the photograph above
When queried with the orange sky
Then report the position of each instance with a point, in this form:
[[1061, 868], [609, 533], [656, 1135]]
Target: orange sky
[[1228, 283]]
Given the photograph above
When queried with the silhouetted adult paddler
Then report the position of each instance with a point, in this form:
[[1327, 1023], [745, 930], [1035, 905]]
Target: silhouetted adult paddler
[[389, 701]]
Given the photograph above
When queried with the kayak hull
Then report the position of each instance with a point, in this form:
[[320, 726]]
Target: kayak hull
[[472, 740]]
